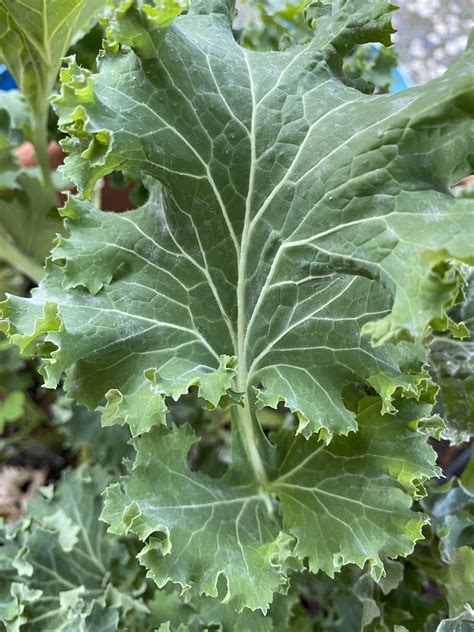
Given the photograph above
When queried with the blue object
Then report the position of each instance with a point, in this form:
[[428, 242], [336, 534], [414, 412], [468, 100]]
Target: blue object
[[6, 80], [400, 80]]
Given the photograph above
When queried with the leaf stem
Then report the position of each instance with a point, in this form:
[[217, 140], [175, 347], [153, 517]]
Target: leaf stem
[[10, 253], [39, 138], [97, 194], [244, 416], [243, 419], [21, 262]]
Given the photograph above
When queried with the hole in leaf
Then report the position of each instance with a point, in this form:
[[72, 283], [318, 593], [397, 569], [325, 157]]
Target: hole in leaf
[[464, 188], [120, 193], [211, 454], [355, 391]]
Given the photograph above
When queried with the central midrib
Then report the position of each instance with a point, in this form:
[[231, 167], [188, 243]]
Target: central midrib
[[243, 416]]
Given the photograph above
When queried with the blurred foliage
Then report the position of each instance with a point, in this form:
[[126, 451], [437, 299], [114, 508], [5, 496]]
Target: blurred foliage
[[273, 24], [452, 362]]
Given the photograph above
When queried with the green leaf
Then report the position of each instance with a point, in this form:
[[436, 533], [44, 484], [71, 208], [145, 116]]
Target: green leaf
[[452, 362], [82, 432], [353, 511], [271, 25], [139, 24], [14, 115], [228, 526], [138, 396], [11, 281], [339, 26], [373, 66], [451, 508], [12, 375], [13, 119], [352, 601], [275, 25], [211, 527], [99, 272], [264, 261], [463, 623], [12, 407], [35, 36], [28, 217], [467, 478], [58, 571], [203, 613], [460, 581]]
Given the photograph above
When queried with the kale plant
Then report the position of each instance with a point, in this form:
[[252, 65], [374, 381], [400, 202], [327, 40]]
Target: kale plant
[[297, 247]]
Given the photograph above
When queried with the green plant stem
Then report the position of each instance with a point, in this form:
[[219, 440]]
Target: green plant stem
[[97, 195], [39, 139], [14, 257], [245, 417], [242, 419]]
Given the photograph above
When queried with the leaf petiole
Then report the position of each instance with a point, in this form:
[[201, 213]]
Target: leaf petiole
[[13, 256], [243, 420]]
